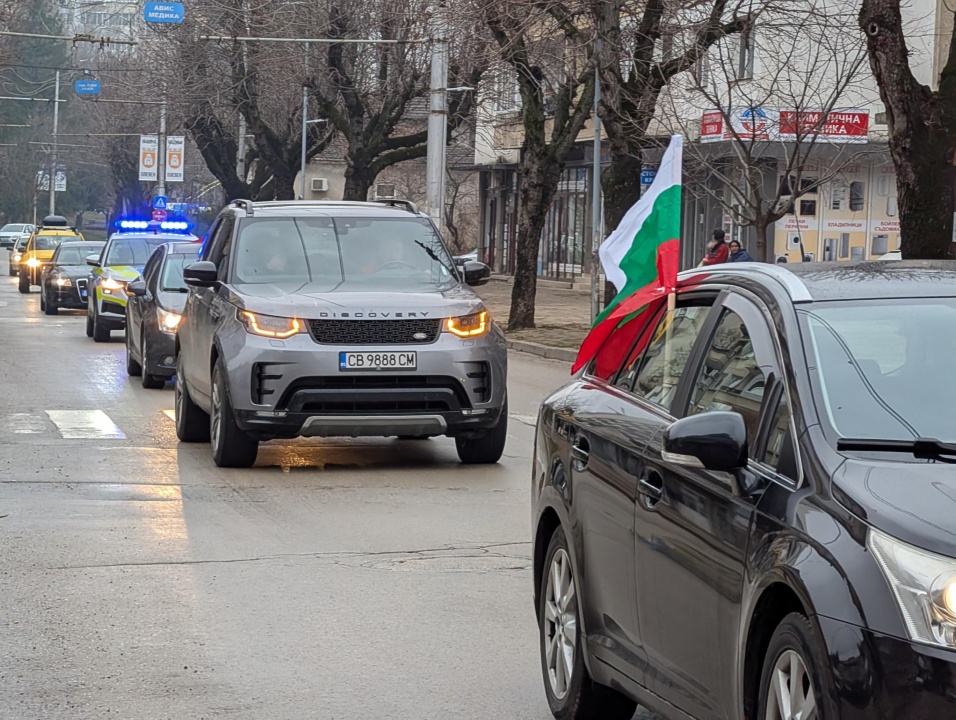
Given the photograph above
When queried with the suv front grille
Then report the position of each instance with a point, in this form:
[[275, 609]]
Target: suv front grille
[[374, 332]]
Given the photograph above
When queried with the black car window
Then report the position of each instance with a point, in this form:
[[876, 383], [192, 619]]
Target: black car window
[[151, 271], [73, 254], [173, 272], [780, 452], [731, 378], [658, 371]]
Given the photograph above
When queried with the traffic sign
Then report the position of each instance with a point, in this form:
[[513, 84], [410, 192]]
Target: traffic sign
[[164, 12], [647, 176], [159, 216], [87, 87], [159, 202]]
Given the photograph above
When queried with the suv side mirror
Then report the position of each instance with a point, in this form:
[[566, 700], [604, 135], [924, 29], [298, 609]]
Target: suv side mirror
[[476, 273], [137, 288], [201, 274], [93, 260], [711, 440]]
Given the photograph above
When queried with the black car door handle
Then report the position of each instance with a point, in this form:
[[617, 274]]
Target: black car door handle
[[652, 488], [580, 453]]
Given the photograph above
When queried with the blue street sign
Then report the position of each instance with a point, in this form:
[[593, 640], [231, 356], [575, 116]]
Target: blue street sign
[[164, 12], [87, 87], [159, 202], [647, 176]]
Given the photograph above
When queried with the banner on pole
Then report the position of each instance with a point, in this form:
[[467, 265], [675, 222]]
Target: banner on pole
[[175, 154], [148, 157]]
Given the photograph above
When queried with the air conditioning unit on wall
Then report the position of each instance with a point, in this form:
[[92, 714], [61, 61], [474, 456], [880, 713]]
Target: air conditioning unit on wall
[[320, 185], [385, 191]]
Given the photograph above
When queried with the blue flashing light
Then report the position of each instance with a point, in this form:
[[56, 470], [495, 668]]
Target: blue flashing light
[[167, 226], [174, 225], [132, 224]]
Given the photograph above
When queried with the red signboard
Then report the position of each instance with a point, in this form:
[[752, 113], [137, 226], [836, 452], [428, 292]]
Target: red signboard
[[712, 126], [842, 126], [159, 216]]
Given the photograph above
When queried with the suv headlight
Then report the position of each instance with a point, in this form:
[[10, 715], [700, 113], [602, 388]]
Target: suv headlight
[[924, 585], [469, 326], [269, 325], [111, 284], [168, 321]]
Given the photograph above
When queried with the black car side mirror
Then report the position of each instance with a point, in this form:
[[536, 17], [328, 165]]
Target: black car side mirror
[[476, 273], [711, 440], [137, 288], [93, 260], [201, 274]]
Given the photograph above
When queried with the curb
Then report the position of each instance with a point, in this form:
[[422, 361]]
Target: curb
[[545, 351]]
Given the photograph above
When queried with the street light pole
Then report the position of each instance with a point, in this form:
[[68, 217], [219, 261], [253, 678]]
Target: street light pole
[[437, 118], [305, 131], [53, 158], [161, 160]]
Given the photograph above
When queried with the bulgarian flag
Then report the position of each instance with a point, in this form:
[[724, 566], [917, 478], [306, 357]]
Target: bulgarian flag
[[642, 255]]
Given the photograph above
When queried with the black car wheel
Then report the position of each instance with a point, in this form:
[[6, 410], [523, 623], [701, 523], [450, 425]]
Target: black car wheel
[[89, 321], [572, 694], [133, 368], [50, 308], [231, 447], [792, 682], [192, 424], [150, 381], [101, 333], [24, 284], [489, 447]]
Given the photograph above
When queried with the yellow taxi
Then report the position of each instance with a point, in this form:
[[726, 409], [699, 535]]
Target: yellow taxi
[[39, 250]]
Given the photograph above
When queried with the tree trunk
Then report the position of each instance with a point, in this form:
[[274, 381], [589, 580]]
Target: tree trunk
[[922, 130], [358, 181], [764, 251], [284, 184], [539, 184]]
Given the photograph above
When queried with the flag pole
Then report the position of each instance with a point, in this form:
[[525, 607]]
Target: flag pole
[[668, 379]]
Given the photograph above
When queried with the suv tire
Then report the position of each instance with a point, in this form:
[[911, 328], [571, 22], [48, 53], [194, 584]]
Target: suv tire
[[89, 323], [231, 446], [101, 333], [578, 698], [488, 448], [192, 424]]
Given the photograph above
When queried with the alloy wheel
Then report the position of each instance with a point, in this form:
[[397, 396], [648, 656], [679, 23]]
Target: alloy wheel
[[178, 396], [790, 693], [216, 413], [560, 624]]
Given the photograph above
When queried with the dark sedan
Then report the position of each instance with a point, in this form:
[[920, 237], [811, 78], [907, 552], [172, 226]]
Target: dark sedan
[[154, 311], [743, 508], [63, 280]]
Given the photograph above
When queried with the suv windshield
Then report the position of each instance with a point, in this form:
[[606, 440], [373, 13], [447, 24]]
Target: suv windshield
[[884, 368], [75, 254], [347, 253], [132, 250], [51, 242], [173, 272]]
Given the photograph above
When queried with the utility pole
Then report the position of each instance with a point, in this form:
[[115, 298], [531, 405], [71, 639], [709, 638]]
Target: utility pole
[[161, 160], [596, 190], [305, 137], [437, 118], [53, 156], [241, 145]]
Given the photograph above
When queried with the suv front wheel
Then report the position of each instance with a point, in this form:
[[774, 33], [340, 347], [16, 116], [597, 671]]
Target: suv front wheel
[[192, 424], [487, 448], [231, 446]]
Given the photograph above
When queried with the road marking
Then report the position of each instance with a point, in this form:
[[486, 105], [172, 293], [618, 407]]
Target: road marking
[[530, 420], [85, 425], [22, 424]]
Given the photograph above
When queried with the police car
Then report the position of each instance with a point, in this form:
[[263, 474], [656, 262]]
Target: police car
[[120, 263]]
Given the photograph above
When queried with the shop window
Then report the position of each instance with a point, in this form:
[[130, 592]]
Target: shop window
[[808, 186], [745, 60], [844, 246], [808, 207], [857, 196], [879, 245]]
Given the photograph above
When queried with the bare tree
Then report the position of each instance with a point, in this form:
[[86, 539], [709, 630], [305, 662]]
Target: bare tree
[[922, 130], [550, 61], [777, 120]]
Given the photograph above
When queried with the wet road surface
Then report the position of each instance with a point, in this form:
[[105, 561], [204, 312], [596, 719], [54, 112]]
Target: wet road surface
[[336, 579]]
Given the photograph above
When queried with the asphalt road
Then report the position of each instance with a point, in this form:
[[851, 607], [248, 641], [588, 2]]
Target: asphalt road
[[336, 579]]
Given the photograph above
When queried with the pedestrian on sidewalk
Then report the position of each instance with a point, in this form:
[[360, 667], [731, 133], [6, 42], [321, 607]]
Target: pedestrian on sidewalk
[[737, 253], [717, 250]]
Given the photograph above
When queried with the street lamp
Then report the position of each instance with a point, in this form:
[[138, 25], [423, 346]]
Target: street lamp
[[305, 134]]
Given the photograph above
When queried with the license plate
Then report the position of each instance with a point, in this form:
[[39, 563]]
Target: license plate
[[357, 361]]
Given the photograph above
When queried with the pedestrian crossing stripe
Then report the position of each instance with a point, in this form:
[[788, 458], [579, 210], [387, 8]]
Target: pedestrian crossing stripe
[[85, 425]]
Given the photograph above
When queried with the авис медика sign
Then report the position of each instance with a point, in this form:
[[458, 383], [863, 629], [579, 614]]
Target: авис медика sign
[[164, 12]]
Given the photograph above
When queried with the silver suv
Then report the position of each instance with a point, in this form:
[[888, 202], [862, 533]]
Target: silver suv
[[328, 319]]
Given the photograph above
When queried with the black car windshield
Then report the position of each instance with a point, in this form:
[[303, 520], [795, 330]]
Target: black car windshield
[[345, 253], [76, 254], [173, 272], [52, 242], [884, 369], [132, 250]]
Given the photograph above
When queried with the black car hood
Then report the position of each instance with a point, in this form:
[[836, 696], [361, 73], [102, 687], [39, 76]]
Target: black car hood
[[912, 501], [314, 302], [72, 271]]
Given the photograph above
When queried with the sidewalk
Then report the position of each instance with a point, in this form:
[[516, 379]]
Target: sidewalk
[[562, 317]]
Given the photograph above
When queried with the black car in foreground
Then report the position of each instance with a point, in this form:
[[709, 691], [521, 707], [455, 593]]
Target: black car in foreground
[[153, 313], [744, 508], [63, 281]]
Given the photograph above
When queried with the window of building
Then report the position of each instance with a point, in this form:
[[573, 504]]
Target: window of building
[[879, 118], [857, 196], [809, 185], [507, 91], [808, 207], [745, 59], [702, 72]]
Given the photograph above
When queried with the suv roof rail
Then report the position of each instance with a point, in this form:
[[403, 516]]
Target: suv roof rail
[[395, 202], [403, 204], [246, 205]]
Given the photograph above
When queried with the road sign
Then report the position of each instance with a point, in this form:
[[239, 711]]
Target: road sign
[[148, 157], [87, 87], [164, 12], [159, 216], [647, 176], [175, 153], [159, 202]]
